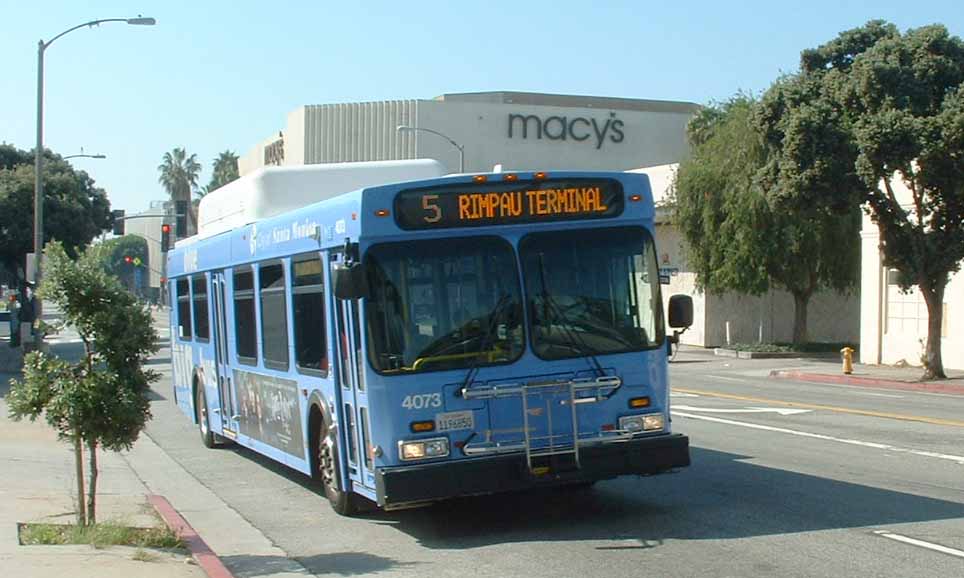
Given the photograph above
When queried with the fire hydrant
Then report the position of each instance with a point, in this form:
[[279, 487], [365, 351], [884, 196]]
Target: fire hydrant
[[848, 360]]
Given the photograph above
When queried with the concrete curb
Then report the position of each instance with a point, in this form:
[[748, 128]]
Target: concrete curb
[[724, 352], [200, 551], [931, 387]]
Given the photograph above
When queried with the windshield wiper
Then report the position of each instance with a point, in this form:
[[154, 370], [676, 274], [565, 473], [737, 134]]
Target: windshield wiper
[[575, 340], [484, 340]]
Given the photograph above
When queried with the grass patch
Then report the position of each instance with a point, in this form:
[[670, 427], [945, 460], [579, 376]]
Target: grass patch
[[790, 347], [142, 555], [99, 536]]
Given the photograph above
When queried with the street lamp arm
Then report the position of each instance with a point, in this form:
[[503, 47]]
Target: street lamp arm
[[455, 144], [84, 156], [90, 24], [461, 149]]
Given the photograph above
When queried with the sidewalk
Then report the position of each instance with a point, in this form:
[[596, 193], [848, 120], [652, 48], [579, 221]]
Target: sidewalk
[[883, 376], [831, 371], [37, 484]]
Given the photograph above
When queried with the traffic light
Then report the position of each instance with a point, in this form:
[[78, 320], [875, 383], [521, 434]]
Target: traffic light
[[118, 215], [180, 216], [128, 259], [165, 238]]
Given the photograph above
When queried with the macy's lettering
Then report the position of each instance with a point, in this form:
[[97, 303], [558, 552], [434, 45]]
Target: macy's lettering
[[564, 128]]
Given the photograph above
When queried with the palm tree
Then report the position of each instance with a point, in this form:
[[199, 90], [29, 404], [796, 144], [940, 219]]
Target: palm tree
[[225, 170], [179, 174]]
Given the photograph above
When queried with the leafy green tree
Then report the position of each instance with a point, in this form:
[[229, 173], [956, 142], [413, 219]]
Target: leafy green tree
[[735, 239], [114, 252], [224, 170], [75, 211], [868, 109], [179, 176], [102, 400]]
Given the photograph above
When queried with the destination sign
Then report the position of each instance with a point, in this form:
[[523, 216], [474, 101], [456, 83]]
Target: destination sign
[[505, 203]]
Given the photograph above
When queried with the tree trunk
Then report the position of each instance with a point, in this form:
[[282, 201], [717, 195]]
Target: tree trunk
[[92, 486], [79, 464], [800, 302], [933, 363]]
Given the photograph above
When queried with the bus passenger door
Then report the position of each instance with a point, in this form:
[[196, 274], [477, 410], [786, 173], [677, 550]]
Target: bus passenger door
[[355, 433], [226, 409]]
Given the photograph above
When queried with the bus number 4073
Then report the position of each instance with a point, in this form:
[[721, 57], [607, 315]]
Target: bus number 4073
[[422, 401]]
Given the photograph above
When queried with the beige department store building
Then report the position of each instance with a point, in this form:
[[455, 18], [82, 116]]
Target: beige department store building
[[519, 130]]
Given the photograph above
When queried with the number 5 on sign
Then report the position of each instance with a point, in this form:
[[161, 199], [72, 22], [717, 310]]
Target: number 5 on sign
[[429, 205]]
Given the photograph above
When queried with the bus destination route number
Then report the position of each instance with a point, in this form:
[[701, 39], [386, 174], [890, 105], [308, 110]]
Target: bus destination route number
[[508, 203]]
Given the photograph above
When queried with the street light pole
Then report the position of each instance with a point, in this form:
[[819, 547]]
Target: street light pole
[[38, 198], [403, 127]]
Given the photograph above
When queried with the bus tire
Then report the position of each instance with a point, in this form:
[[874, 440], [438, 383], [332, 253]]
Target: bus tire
[[329, 472], [203, 420]]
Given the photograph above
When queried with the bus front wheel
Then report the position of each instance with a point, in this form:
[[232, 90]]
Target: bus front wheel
[[327, 470]]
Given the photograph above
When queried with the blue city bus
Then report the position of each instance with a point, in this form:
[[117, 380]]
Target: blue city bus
[[416, 341]]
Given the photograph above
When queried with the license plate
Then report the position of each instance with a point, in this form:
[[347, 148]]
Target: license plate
[[454, 420]]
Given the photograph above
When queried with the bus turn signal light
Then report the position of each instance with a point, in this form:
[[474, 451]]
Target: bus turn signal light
[[381, 213], [639, 402], [422, 426], [635, 198]]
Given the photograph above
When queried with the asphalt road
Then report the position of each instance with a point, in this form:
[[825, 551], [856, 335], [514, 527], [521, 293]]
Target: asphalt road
[[850, 481]]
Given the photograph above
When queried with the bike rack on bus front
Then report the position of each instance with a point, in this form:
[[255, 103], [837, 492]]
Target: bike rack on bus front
[[581, 391]]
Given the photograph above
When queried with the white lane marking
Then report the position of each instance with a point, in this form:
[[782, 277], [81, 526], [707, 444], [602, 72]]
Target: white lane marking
[[888, 447], [726, 378], [921, 543], [779, 410], [681, 394], [877, 394]]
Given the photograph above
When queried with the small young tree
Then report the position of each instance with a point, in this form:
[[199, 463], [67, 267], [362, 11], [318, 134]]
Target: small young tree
[[101, 400]]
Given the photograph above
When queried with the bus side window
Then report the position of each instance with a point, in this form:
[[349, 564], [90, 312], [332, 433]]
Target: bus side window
[[274, 316], [308, 300], [202, 329], [245, 327], [183, 310]]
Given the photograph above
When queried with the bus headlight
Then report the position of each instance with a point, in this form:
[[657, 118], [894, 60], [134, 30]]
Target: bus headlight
[[423, 449], [638, 423]]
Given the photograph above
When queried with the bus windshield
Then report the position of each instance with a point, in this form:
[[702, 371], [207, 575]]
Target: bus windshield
[[443, 304], [592, 292]]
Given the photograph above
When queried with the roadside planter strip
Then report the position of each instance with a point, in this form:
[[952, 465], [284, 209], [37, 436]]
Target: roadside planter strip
[[200, 551]]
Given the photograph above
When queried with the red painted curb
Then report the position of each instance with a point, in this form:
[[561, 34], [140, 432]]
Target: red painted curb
[[934, 387], [200, 551]]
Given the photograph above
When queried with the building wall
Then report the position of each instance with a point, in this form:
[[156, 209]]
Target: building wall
[[517, 130], [894, 323], [832, 317], [148, 226]]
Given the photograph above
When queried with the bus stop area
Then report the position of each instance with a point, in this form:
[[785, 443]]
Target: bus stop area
[[141, 488]]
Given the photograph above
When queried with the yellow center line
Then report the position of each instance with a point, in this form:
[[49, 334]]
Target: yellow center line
[[838, 409]]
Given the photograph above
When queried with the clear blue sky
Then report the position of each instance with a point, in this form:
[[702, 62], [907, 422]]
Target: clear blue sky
[[216, 75]]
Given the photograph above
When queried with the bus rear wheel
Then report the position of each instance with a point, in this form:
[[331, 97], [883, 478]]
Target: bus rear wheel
[[203, 421], [328, 472]]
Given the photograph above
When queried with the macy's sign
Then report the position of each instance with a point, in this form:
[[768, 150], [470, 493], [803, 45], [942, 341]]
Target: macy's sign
[[565, 128]]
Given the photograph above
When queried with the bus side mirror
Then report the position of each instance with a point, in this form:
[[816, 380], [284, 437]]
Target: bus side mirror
[[349, 281], [680, 311]]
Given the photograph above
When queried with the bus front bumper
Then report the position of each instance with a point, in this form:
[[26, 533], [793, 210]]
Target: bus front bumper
[[418, 483]]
